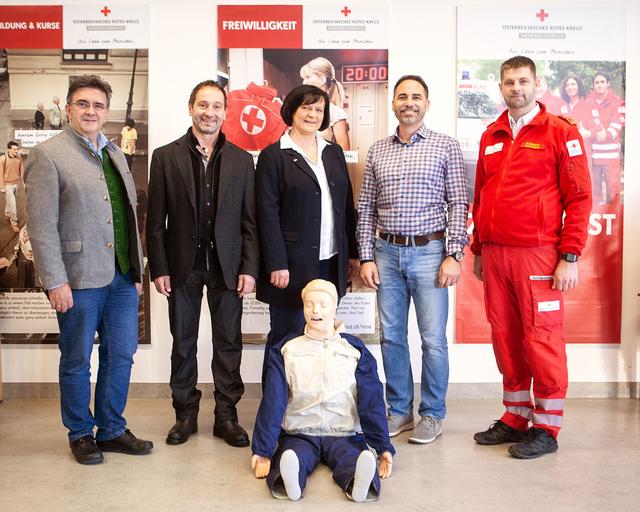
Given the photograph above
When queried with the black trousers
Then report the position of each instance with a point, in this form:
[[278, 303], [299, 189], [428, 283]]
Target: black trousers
[[225, 308]]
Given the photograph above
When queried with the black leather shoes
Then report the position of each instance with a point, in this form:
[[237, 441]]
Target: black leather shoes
[[231, 432], [85, 450], [126, 443], [181, 431]]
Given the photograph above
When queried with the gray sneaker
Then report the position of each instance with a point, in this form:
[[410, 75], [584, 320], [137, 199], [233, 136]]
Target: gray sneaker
[[397, 424], [426, 430]]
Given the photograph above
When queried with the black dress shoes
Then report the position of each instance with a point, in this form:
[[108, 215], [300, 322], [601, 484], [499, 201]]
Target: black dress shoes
[[126, 443], [181, 431], [231, 432], [85, 450]]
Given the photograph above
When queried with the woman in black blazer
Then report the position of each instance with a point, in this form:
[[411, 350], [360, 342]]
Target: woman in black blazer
[[305, 212]]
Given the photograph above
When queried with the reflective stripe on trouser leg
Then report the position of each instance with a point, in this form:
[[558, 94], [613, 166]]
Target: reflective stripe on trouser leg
[[548, 414], [518, 403]]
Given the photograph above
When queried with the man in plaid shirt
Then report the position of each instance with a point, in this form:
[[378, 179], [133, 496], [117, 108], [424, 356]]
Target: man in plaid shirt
[[411, 235]]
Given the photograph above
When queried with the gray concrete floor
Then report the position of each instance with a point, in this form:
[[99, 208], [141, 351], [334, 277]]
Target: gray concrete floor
[[597, 467]]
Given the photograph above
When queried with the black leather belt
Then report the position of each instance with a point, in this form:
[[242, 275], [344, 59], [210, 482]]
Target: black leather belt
[[416, 240]]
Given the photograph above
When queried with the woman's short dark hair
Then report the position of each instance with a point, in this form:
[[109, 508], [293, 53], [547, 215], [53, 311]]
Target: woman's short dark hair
[[130, 123], [305, 95]]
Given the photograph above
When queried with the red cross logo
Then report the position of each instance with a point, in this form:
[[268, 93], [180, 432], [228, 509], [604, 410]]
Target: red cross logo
[[573, 144], [346, 11], [252, 119], [542, 15], [106, 11]]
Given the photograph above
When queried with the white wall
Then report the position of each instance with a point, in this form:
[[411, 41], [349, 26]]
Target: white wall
[[183, 52]]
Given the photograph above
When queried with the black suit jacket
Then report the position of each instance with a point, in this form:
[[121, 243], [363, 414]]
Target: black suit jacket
[[289, 210], [172, 217]]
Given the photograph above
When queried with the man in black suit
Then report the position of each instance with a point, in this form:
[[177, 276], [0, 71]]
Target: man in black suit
[[201, 231]]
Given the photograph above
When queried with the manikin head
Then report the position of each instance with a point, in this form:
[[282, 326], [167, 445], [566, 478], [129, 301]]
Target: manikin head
[[319, 303]]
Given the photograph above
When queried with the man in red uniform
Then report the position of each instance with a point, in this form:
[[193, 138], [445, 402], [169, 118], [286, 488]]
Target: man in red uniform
[[531, 170], [604, 115]]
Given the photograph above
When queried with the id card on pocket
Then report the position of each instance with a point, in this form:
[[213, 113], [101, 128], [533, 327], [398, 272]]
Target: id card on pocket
[[548, 305]]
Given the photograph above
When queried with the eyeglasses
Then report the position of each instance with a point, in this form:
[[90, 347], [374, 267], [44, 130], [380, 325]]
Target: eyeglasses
[[85, 105]]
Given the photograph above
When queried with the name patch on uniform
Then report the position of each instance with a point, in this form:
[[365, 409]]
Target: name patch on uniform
[[549, 305], [490, 150], [573, 146], [532, 145]]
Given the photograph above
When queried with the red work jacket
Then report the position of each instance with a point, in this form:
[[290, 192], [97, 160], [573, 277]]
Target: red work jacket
[[524, 186]]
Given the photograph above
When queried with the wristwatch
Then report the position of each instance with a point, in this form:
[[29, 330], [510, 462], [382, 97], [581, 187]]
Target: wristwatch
[[458, 256], [569, 256]]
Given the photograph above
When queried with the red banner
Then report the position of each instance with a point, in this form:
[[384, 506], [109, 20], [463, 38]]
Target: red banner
[[260, 26], [33, 26], [592, 310]]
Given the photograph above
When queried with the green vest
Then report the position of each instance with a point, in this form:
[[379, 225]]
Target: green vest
[[118, 198]]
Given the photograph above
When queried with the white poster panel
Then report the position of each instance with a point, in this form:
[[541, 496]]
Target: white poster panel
[[106, 26], [579, 52]]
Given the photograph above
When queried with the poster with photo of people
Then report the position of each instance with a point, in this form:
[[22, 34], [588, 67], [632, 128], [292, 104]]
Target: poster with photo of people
[[43, 48], [265, 51], [580, 61]]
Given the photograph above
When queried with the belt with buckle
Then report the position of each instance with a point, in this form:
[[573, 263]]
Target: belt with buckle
[[417, 240]]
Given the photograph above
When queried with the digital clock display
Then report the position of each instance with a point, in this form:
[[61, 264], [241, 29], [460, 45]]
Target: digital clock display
[[364, 73]]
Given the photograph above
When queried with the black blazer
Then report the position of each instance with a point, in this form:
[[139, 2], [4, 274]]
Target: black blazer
[[171, 215], [289, 210]]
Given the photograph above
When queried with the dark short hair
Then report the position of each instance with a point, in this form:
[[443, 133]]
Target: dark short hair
[[516, 62], [415, 78], [12, 143], [130, 122], [305, 95], [603, 75], [92, 82], [207, 83]]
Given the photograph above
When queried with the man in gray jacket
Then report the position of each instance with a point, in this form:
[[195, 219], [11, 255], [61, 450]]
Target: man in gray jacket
[[82, 223]]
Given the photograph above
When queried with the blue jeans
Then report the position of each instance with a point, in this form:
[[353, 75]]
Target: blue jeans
[[112, 311], [408, 272]]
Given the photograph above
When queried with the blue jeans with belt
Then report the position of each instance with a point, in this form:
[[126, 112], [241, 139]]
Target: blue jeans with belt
[[411, 272], [112, 312]]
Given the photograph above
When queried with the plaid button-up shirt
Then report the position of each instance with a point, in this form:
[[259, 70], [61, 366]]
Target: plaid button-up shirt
[[413, 189]]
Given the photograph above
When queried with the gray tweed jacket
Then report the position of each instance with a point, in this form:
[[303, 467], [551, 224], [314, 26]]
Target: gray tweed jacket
[[69, 213]]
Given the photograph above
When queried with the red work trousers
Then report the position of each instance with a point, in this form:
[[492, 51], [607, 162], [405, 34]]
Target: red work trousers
[[525, 314]]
